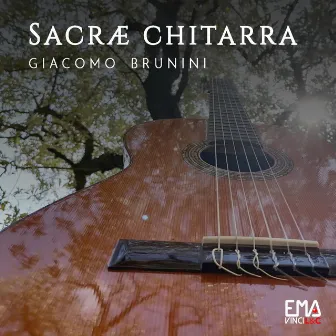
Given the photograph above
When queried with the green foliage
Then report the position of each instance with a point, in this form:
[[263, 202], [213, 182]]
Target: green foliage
[[9, 212], [13, 215], [54, 120]]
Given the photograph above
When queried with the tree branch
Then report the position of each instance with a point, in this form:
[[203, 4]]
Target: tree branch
[[187, 54], [61, 156], [332, 35], [269, 50], [156, 3], [53, 87], [236, 11], [16, 166], [213, 9], [89, 142], [127, 66], [19, 128]]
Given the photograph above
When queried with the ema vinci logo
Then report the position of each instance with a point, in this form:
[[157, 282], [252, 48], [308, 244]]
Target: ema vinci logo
[[300, 312]]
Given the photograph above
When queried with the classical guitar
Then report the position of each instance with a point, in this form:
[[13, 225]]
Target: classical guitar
[[214, 227]]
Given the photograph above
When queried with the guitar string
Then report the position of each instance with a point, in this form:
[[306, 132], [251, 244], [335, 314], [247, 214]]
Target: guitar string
[[291, 256], [299, 231], [218, 249], [230, 190], [256, 258], [256, 265], [273, 253], [296, 224]]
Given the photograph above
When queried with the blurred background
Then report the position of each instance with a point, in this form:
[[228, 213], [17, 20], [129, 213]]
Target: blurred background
[[61, 129]]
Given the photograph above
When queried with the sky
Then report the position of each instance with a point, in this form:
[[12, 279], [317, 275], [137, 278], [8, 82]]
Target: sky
[[23, 179]]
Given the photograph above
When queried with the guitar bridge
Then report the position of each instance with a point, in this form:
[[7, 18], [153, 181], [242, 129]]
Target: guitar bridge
[[306, 256], [195, 257]]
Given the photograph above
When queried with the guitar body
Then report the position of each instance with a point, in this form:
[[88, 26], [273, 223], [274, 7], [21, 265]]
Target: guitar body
[[54, 278]]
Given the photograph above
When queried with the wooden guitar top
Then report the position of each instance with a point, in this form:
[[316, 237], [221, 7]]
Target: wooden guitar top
[[54, 278]]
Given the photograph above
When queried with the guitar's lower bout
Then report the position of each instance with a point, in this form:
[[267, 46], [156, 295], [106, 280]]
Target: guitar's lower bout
[[54, 277], [195, 257]]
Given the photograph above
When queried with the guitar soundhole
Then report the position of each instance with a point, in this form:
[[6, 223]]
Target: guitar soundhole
[[201, 155], [237, 156]]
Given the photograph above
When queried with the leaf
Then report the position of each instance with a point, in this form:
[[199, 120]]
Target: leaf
[[3, 205]]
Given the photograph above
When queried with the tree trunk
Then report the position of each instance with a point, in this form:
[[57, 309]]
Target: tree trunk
[[161, 102]]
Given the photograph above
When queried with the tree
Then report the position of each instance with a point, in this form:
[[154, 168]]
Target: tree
[[66, 126], [307, 70]]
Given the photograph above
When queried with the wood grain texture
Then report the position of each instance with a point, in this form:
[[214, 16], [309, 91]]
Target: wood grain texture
[[54, 278]]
